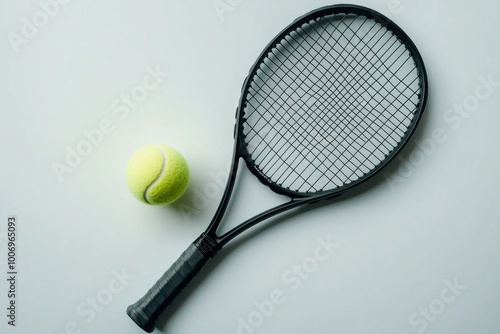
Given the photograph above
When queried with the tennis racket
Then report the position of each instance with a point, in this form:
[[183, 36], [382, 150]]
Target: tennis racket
[[329, 102]]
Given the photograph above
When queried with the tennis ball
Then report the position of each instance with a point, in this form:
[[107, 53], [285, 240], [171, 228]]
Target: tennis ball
[[157, 174]]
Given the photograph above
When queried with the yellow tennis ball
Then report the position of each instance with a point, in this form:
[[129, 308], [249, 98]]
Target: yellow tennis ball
[[157, 174]]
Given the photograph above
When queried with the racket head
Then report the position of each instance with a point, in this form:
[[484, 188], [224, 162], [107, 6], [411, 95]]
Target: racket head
[[330, 101]]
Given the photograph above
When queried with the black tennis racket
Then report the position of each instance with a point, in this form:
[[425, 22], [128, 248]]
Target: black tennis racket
[[331, 100]]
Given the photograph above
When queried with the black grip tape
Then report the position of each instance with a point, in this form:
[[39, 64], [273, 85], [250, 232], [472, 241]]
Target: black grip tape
[[145, 311]]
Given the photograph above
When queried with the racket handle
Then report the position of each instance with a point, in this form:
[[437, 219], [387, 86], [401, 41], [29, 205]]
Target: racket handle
[[145, 311]]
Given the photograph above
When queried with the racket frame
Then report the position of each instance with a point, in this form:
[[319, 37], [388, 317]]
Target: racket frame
[[240, 149]]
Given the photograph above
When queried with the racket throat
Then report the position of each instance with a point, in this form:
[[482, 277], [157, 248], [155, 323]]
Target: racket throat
[[207, 245]]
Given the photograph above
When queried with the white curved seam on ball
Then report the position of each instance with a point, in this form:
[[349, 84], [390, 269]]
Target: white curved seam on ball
[[159, 175]]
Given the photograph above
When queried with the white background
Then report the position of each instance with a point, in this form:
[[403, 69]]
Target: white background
[[401, 242]]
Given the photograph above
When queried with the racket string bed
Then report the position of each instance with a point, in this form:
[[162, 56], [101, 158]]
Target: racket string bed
[[329, 104]]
